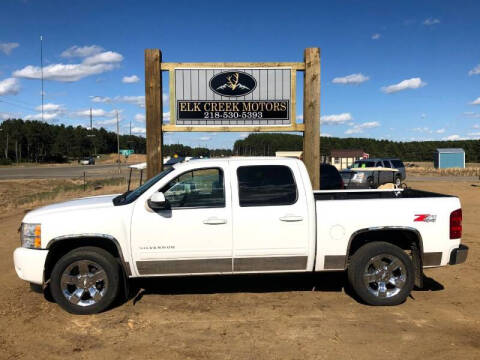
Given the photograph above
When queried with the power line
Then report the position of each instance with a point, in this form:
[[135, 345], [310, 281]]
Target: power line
[[17, 105], [41, 67]]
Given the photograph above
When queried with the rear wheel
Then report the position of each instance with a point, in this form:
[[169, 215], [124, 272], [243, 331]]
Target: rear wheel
[[381, 274], [85, 280]]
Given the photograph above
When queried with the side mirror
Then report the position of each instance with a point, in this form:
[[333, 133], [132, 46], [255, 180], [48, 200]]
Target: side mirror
[[158, 201]]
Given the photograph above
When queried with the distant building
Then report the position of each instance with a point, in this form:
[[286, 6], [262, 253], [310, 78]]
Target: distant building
[[342, 158], [449, 158]]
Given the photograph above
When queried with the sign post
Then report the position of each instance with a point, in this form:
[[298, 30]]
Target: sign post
[[154, 111], [226, 97]]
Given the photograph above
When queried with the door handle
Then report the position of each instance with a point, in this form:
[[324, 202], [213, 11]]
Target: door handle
[[214, 221], [291, 218]]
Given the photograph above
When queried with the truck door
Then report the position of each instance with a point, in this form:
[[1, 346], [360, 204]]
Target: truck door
[[270, 213], [195, 234]]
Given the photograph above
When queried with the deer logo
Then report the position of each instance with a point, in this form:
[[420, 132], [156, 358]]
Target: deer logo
[[233, 83]]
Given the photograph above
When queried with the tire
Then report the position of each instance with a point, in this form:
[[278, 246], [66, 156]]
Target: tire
[[381, 274], [85, 281]]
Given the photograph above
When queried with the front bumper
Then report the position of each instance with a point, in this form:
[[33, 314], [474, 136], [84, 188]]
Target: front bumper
[[458, 255], [29, 264]]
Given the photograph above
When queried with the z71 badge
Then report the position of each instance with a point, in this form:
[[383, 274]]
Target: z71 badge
[[425, 218]]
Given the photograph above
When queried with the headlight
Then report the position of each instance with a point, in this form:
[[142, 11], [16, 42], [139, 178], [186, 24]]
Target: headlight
[[31, 236], [358, 177]]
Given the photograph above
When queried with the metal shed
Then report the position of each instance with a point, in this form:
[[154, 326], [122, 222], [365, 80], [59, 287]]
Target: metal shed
[[449, 158]]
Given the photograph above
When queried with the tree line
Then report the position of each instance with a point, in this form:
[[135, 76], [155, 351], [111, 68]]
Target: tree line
[[268, 144], [36, 141]]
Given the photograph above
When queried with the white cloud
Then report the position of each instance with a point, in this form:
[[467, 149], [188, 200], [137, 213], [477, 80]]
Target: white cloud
[[471, 114], [95, 113], [7, 48], [351, 79], [204, 138], [136, 100], [139, 130], [475, 70], [452, 137], [413, 83], [325, 134], [6, 116], [474, 134], [376, 36], [49, 107], [166, 116], [422, 129], [47, 116], [440, 131], [300, 117], [81, 51], [9, 86], [431, 21], [101, 99], [476, 126], [336, 119], [243, 135], [103, 58], [165, 98], [130, 79], [140, 118], [474, 102], [356, 129], [423, 116], [92, 65], [107, 122]]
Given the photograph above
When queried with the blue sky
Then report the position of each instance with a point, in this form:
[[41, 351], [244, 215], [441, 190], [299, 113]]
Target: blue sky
[[400, 70]]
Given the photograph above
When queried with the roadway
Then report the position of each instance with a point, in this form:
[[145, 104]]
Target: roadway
[[46, 172]]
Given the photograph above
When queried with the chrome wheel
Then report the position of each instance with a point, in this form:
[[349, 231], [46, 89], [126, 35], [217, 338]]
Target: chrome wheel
[[84, 283], [384, 275]]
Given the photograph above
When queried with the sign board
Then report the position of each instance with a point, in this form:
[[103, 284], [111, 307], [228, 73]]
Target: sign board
[[127, 152], [233, 96]]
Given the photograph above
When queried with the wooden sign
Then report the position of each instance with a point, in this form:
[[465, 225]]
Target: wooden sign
[[233, 97], [226, 97]]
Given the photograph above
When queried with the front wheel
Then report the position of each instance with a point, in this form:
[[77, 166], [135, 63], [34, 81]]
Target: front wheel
[[381, 274], [85, 280]]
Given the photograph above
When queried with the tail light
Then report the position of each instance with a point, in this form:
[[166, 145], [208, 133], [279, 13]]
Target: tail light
[[456, 224]]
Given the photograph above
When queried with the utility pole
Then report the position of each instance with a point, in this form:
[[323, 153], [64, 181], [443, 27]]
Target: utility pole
[[118, 143], [130, 127], [41, 67], [91, 120]]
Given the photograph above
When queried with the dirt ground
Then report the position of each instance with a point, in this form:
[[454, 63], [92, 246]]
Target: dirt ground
[[251, 317]]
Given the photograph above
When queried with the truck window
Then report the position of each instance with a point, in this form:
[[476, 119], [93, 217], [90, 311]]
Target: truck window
[[397, 164], [266, 185], [386, 164], [197, 188]]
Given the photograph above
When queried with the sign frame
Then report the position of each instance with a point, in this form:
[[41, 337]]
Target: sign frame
[[154, 67], [292, 66]]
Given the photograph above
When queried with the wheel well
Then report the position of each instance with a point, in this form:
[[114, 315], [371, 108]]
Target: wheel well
[[408, 240], [61, 247]]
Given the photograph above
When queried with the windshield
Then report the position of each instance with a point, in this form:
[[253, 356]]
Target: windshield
[[130, 196], [363, 164]]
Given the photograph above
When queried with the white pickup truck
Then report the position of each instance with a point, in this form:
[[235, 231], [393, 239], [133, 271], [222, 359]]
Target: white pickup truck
[[236, 216]]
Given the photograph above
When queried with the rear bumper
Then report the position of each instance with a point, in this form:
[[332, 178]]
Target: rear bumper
[[29, 264], [458, 255]]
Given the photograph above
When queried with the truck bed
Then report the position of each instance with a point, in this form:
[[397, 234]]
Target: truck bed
[[375, 194]]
